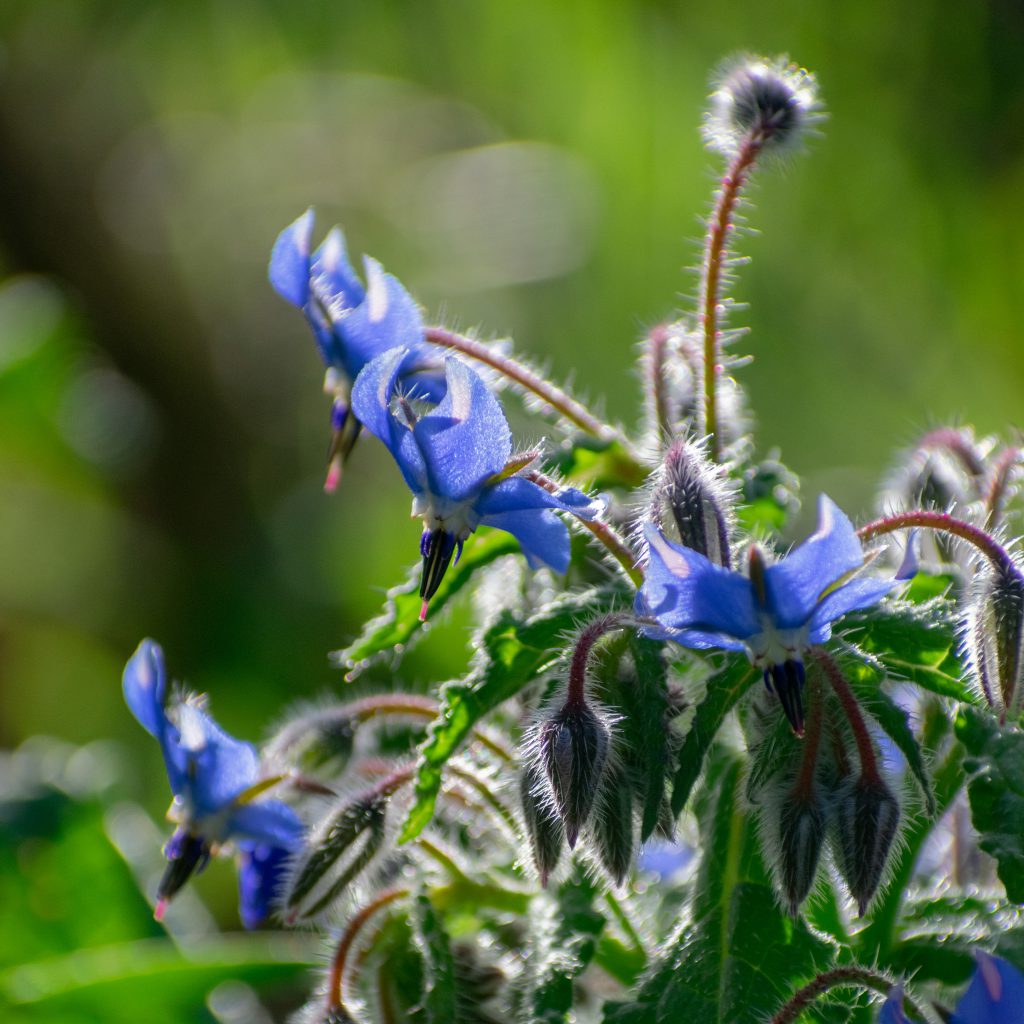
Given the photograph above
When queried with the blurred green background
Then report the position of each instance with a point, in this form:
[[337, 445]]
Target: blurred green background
[[528, 168]]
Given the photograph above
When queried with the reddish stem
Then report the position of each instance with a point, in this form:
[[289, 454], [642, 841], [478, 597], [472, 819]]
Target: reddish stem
[[1007, 461], [716, 257], [657, 348], [592, 632], [954, 442], [861, 736], [837, 978], [812, 740]]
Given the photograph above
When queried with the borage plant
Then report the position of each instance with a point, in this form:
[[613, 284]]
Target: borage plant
[[690, 773]]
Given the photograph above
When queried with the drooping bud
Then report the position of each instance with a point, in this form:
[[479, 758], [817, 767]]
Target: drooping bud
[[786, 681], [769, 102], [572, 748], [690, 503], [801, 827], [336, 854], [613, 829], [996, 635], [867, 816], [543, 825], [314, 740]]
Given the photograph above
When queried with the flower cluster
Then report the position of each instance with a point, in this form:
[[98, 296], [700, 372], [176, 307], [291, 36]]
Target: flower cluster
[[614, 701]]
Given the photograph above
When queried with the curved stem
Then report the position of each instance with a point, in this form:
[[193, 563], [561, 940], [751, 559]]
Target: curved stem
[[838, 978], [591, 633], [657, 367], [943, 521], [812, 739], [861, 736], [547, 392], [1008, 460], [336, 975], [617, 547], [956, 444], [715, 261]]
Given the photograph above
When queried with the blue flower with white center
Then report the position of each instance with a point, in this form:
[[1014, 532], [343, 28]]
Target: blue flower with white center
[[215, 779], [994, 996], [776, 614], [351, 323], [455, 457]]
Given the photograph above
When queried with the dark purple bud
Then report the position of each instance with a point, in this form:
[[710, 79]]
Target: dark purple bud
[[613, 828], [786, 681], [572, 750], [690, 502], [437, 548], [543, 825], [801, 832], [335, 855], [867, 816]]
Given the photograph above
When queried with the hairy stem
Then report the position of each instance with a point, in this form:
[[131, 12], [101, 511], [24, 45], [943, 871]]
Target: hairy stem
[[812, 739], [716, 256], [592, 632], [617, 547], [657, 367], [954, 442], [861, 736], [1008, 460], [838, 978]]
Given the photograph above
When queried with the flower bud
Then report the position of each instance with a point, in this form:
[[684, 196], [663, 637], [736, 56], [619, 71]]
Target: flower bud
[[770, 103], [801, 831], [572, 749], [690, 502], [543, 826], [996, 634], [315, 740], [613, 829], [335, 856], [867, 815]]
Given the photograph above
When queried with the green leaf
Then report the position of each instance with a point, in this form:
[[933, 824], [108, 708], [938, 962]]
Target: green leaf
[[724, 689], [996, 789], [645, 707], [737, 958], [915, 642], [510, 654], [440, 999], [399, 622], [600, 464], [563, 941]]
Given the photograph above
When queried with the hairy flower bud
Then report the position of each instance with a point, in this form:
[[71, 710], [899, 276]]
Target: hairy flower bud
[[335, 856], [996, 636], [572, 748], [317, 739], [771, 102], [613, 829], [801, 826], [543, 825], [867, 816], [689, 502]]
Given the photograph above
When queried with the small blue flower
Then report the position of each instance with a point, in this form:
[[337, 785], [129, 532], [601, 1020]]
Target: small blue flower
[[215, 778], [775, 614], [455, 459], [261, 872], [351, 323]]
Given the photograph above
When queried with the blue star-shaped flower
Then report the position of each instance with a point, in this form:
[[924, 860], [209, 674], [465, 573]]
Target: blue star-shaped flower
[[455, 459], [351, 323], [775, 614], [215, 779], [994, 996]]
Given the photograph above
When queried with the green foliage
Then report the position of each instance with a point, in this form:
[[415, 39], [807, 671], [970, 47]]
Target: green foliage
[[440, 999]]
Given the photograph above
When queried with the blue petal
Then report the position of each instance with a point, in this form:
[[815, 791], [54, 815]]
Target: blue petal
[[795, 583], [517, 494], [371, 403], [861, 593], [465, 439], [892, 1008], [684, 591], [289, 260], [387, 318], [542, 536], [145, 687], [332, 276], [219, 766], [261, 873], [266, 821], [994, 996], [695, 639]]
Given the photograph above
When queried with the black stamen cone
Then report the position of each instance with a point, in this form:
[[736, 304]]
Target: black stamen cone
[[187, 854], [786, 681], [437, 546]]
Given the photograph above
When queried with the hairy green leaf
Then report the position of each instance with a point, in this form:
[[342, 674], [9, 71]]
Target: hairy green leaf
[[510, 654], [399, 622]]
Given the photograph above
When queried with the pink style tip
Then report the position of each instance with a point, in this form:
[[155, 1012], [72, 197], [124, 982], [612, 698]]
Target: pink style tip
[[159, 910], [333, 476], [423, 612]]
